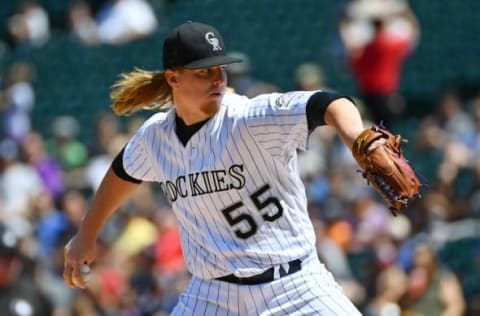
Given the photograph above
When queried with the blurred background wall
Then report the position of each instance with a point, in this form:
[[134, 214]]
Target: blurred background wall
[[58, 136]]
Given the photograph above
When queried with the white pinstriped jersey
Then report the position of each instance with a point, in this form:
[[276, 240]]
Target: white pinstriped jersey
[[234, 187]]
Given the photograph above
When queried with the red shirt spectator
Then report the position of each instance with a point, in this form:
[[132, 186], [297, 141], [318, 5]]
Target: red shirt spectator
[[168, 249], [379, 36], [378, 66]]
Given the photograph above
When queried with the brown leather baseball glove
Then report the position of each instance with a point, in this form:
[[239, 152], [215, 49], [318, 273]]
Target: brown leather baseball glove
[[378, 152]]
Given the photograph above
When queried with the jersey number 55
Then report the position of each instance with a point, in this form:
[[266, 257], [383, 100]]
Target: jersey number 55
[[249, 227]]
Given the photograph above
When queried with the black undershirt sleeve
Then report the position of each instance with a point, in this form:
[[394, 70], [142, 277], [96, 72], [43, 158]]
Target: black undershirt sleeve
[[317, 105], [119, 170]]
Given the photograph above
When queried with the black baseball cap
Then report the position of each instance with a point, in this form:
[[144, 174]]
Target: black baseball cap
[[195, 45]]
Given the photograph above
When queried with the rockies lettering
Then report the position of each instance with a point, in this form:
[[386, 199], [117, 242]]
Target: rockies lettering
[[204, 182]]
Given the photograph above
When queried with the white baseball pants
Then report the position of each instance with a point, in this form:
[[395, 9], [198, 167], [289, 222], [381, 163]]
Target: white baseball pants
[[310, 291]]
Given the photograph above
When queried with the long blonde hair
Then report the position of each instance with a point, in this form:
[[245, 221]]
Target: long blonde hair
[[140, 89]]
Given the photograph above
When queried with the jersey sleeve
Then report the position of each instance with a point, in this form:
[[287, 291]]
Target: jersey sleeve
[[278, 121], [136, 158]]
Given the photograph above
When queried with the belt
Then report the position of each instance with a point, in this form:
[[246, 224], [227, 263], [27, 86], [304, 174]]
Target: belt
[[267, 276]]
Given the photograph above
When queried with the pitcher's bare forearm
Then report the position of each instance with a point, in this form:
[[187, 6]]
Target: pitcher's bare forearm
[[344, 117], [111, 194]]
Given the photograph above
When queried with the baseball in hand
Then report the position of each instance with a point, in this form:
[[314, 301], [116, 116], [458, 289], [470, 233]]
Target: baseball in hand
[[85, 269]]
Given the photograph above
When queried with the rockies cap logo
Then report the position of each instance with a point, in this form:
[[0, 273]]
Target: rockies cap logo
[[212, 40]]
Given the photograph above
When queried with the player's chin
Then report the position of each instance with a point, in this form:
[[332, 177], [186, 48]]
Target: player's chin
[[212, 102]]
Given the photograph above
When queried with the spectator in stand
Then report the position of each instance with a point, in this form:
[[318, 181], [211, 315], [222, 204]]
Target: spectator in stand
[[29, 27], [81, 22], [309, 76], [433, 289], [452, 116], [332, 242], [109, 140], [169, 259], [68, 149], [18, 100], [169, 265], [109, 129], [447, 131], [51, 225], [475, 136], [241, 80], [20, 295], [48, 168], [19, 185], [123, 21], [391, 287], [389, 31], [74, 204]]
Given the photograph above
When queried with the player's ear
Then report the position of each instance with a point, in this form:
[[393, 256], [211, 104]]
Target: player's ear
[[171, 76]]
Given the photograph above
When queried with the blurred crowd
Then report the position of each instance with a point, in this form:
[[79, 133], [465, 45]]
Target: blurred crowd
[[92, 22], [425, 261]]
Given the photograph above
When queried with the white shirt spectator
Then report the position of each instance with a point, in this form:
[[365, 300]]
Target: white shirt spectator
[[30, 24], [125, 21], [23, 95], [19, 185]]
